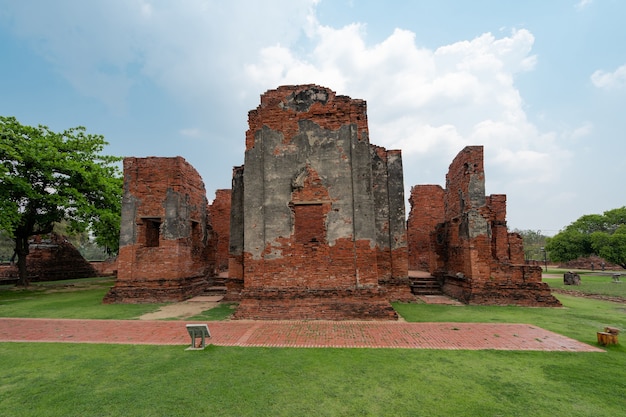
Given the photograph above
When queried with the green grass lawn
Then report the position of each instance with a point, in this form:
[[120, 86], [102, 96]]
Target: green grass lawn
[[56, 379], [119, 380], [72, 299], [579, 319]]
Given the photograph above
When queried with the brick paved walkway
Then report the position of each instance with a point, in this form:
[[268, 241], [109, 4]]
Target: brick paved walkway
[[344, 334]]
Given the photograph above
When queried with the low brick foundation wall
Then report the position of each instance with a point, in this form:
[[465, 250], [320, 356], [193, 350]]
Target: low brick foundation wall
[[106, 268], [357, 304], [529, 294], [398, 289], [155, 291]]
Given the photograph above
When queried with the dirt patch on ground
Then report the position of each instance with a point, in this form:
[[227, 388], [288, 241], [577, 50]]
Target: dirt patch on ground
[[592, 296], [184, 309]]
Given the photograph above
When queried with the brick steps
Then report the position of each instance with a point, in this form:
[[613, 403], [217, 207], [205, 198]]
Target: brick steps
[[425, 286], [216, 286], [215, 290]]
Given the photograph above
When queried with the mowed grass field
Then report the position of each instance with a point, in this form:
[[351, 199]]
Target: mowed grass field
[[591, 282], [50, 379]]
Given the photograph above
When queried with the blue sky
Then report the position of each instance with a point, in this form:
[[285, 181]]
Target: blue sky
[[541, 84]]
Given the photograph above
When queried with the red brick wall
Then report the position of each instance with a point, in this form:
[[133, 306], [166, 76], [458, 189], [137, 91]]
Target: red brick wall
[[473, 254], [273, 114], [167, 247], [309, 223], [313, 243], [332, 304], [427, 210], [300, 261], [220, 219], [497, 206], [465, 169], [314, 266], [106, 268], [516, 249]]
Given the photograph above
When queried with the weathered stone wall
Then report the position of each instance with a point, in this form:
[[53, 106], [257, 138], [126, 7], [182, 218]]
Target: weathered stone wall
[[234, 283], [472, 253], [322, 210], [167, 247], [390, 224]]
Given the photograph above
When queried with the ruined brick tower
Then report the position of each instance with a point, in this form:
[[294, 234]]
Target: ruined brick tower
[[317, 219], [167, 249], [471, 251]]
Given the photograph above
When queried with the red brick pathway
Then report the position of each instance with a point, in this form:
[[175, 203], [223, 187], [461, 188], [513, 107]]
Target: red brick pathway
[[349, 334]]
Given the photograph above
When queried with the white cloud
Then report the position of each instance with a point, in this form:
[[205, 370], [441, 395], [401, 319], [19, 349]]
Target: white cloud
[[429, 103], [214, 60], [584, 130], [610, 80], [582, 4], [81, 44], [103, 48], [432, 103], [191, 132]]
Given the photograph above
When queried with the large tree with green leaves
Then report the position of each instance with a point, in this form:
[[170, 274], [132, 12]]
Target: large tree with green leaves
[[592, 234], [46, 177]]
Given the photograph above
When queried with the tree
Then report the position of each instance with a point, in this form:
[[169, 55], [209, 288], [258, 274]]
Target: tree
[[6, 246], [47, 177], [592, 234], [534, 242], [611, 247]]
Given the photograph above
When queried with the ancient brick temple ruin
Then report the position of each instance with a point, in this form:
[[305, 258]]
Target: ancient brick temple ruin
[[167, 248], [318, 221], [461, 234], [314, 226], [52, 257]]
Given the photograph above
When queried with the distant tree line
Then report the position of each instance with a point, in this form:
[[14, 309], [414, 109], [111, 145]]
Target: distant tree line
[[603, 235]]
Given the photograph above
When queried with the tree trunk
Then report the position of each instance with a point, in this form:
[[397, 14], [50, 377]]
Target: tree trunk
[[21, 249]]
